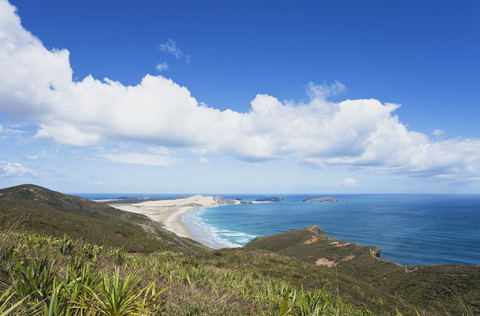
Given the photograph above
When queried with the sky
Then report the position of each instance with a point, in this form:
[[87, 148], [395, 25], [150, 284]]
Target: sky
[[240, 96]]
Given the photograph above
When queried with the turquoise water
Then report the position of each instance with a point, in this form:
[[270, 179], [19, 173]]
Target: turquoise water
[[410, 229]]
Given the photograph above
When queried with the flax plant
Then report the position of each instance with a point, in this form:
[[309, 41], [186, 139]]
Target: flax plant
[[117, 295], [117, 254], [34, 277], [65, 245]]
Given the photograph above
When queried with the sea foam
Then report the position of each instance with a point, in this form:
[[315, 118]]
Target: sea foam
[[211, 235]]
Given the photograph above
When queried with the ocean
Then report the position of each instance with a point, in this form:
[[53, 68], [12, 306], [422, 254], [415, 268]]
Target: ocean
[[410, 229]]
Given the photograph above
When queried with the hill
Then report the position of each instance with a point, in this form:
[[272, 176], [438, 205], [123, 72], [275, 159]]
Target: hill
[[300, 272], [37, 209], [452, 289]]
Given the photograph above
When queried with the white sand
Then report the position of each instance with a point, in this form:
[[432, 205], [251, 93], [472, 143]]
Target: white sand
[[169, 212]]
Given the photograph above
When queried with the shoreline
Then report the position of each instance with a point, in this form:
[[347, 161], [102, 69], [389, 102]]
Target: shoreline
[[175, 224], [169, 213], [170, 217]]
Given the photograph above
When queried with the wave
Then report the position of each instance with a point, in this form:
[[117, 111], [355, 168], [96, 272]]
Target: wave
[[213, 236]]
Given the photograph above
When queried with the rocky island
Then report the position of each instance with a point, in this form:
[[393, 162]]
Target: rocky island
[[322, 199]]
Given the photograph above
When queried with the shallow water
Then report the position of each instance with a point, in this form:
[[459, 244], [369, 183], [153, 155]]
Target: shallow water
[[410, 229]]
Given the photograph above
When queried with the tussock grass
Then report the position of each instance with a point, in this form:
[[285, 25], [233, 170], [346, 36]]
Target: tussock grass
[[50, 276], [64, 255]]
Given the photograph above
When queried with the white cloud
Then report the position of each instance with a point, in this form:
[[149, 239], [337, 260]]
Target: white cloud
[[349, 182], [164, 151], [145, 159], [9, 133], [41, 133], [171, 47], [437, 132], [152, 156], [324, 91], [8, 169], [162, 67], [37, 86], [32, 157], [203, 160]]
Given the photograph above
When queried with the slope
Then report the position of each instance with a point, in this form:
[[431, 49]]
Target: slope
[[450, 289], [37, 209]]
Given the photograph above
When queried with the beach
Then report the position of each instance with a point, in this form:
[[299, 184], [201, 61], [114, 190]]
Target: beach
[[169, 212]]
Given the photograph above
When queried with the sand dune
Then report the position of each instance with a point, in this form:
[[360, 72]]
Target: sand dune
[[169, 212]]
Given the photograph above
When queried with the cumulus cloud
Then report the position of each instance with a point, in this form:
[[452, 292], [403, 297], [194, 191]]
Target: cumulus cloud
[[32, 157], [162, 67], [171, 47], [437, 132], [1, 128], [37, 86], [8, 169]]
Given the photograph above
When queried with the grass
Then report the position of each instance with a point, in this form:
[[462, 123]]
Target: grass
[[65, 256], [437, 289], [39, 279]]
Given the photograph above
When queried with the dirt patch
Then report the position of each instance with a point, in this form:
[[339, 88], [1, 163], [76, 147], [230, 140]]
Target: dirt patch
[[120, 234], [337, 244], [312, 240], [348, 258], [325, 262], [410, 270]]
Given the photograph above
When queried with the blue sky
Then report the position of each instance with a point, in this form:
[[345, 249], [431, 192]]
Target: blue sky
[[240, 97]]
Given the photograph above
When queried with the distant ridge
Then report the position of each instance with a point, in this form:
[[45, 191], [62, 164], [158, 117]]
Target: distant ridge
[[271, 199], [322, 199]]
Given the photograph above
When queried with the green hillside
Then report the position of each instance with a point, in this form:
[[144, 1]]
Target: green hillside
[[39, 210], [449, 289], [64, 255]]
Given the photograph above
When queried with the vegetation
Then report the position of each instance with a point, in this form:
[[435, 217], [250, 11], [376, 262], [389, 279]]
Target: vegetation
[[36, 278], [50, 266], [438, 289], [39, 210]]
